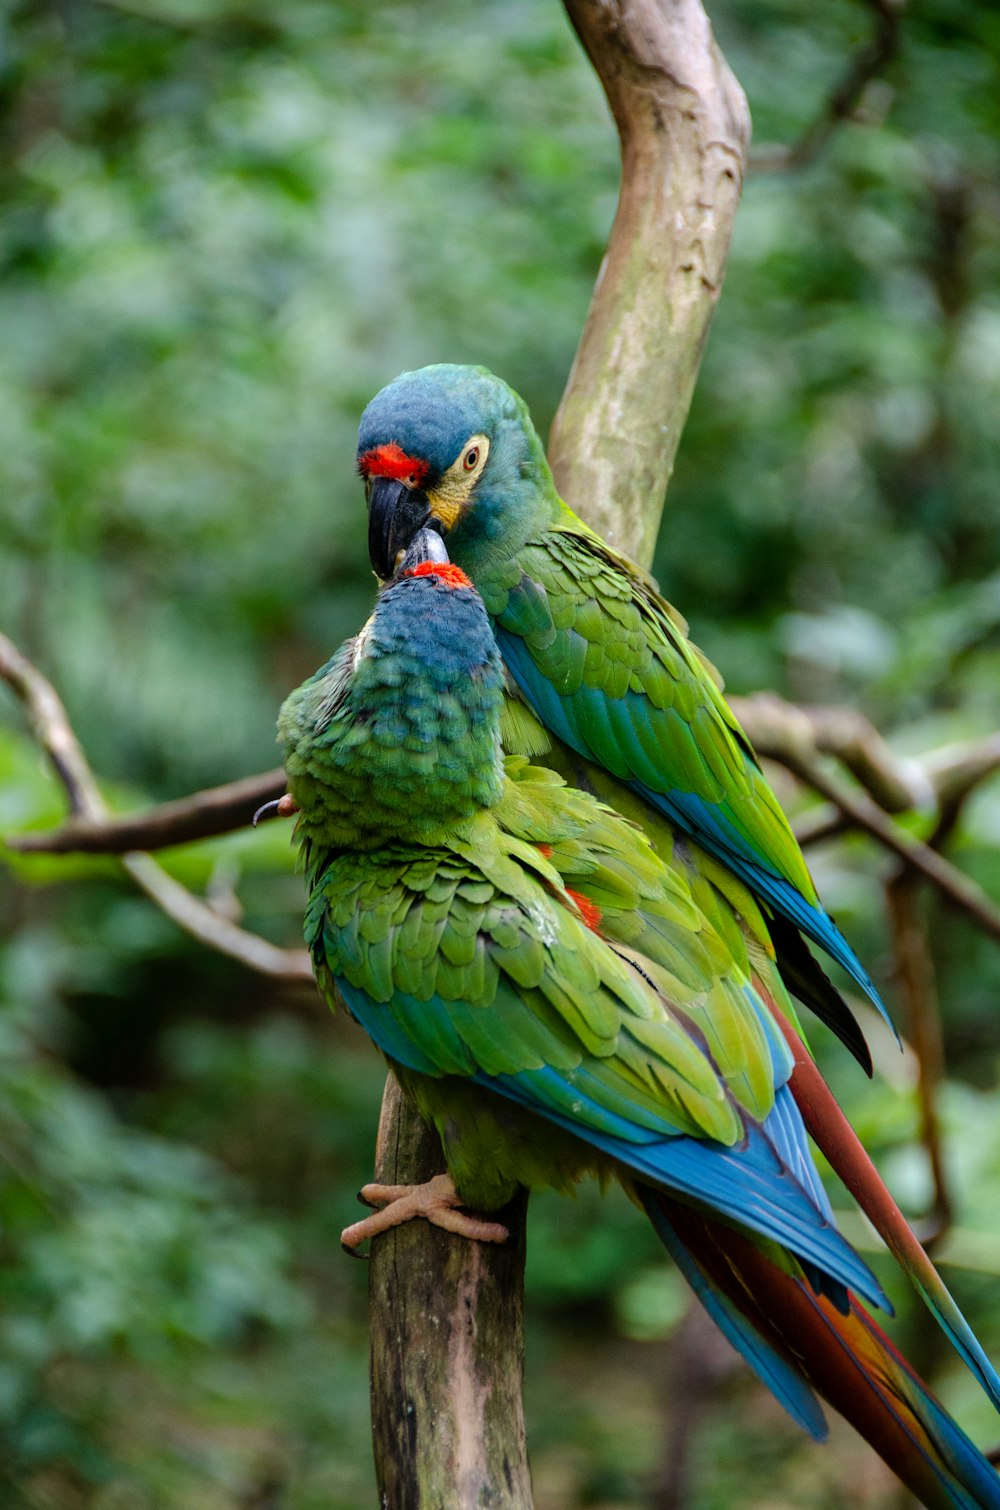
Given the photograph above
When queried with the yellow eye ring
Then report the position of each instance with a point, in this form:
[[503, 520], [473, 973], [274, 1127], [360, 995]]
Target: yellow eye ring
[[471, 459]]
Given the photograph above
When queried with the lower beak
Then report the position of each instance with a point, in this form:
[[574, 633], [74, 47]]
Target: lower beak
[[395, 514], [425, 547]]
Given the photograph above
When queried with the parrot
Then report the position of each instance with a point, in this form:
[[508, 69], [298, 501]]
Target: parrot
[[558, 998], [596, 660]]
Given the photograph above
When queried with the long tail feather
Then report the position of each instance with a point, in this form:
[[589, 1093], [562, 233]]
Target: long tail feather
[[846, 1358], [835, 1136]]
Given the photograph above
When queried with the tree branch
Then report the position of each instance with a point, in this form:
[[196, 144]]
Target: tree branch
[[915, 975], [788, 733], [447, 1346], [51, 727], [866, 815], [203, 815], [683, 125], [684, 129], [956, 772]]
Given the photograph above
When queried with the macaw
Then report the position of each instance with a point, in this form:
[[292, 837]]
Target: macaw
[[592, 649], [555, 998]]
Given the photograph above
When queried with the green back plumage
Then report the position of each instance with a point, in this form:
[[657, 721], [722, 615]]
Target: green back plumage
[[644, 700]]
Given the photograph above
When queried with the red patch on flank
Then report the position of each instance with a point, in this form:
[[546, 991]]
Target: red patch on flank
[[450, 575], [392, 461], [589, 911], [545, 850]]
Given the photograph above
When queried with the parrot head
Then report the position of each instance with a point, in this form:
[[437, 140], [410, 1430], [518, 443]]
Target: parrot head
[[450, 449]]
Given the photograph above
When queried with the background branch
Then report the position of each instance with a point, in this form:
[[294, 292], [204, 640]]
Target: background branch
[[203, 815], [871, 58], [914, 971], [51, 727]]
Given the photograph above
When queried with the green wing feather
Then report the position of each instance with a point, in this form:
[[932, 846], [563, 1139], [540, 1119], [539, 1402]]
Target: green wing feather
[[593, 624], [478, 956]]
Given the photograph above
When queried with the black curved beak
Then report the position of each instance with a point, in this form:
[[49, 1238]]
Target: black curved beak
[[395, 514]]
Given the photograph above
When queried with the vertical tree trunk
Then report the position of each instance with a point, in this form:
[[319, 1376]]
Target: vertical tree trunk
[[447, 1347], [446, 1316]]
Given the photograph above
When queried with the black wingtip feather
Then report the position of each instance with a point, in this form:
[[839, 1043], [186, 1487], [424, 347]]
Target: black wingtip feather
[[808, 981]]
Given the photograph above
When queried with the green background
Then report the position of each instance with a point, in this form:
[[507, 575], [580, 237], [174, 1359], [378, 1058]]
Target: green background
[[224, 226]]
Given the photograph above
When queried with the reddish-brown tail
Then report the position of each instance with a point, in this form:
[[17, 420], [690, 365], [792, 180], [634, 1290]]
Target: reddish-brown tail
[[776, 1315]]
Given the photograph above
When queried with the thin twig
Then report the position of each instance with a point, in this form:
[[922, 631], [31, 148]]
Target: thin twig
[[216, 932], [820, 825], [788, 732], [956, 772], [914, 968], [872, 58], [51, 727]]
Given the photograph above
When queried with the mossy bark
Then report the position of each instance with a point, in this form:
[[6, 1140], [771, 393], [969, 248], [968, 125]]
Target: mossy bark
[[447, 1350]]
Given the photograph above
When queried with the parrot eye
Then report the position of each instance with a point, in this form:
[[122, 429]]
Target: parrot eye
[[452, 493]]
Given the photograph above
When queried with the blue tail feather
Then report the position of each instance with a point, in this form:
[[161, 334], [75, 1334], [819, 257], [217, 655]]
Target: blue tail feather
[[784, 1382]]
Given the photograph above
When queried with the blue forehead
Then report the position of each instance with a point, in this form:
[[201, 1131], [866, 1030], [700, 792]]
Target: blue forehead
[[432, 412]]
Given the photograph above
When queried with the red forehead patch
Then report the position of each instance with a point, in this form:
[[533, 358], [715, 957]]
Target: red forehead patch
[[392, 461], [451, 576]]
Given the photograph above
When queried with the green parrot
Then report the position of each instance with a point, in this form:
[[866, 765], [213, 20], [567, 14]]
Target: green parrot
[[592, 649], [558, 998]]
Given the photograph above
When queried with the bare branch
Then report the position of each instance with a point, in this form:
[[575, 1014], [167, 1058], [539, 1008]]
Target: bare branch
[[864, 814], [54, 733], [51, 728], [871, 59], [204, 815], [820, 825], [788, 733], [213, 930], [956, 772]]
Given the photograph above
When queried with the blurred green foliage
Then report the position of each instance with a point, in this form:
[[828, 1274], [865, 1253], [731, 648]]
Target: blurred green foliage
[[224, 226]]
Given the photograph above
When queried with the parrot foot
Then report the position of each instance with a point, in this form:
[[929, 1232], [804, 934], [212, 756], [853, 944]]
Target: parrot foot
[[436, 1201]]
